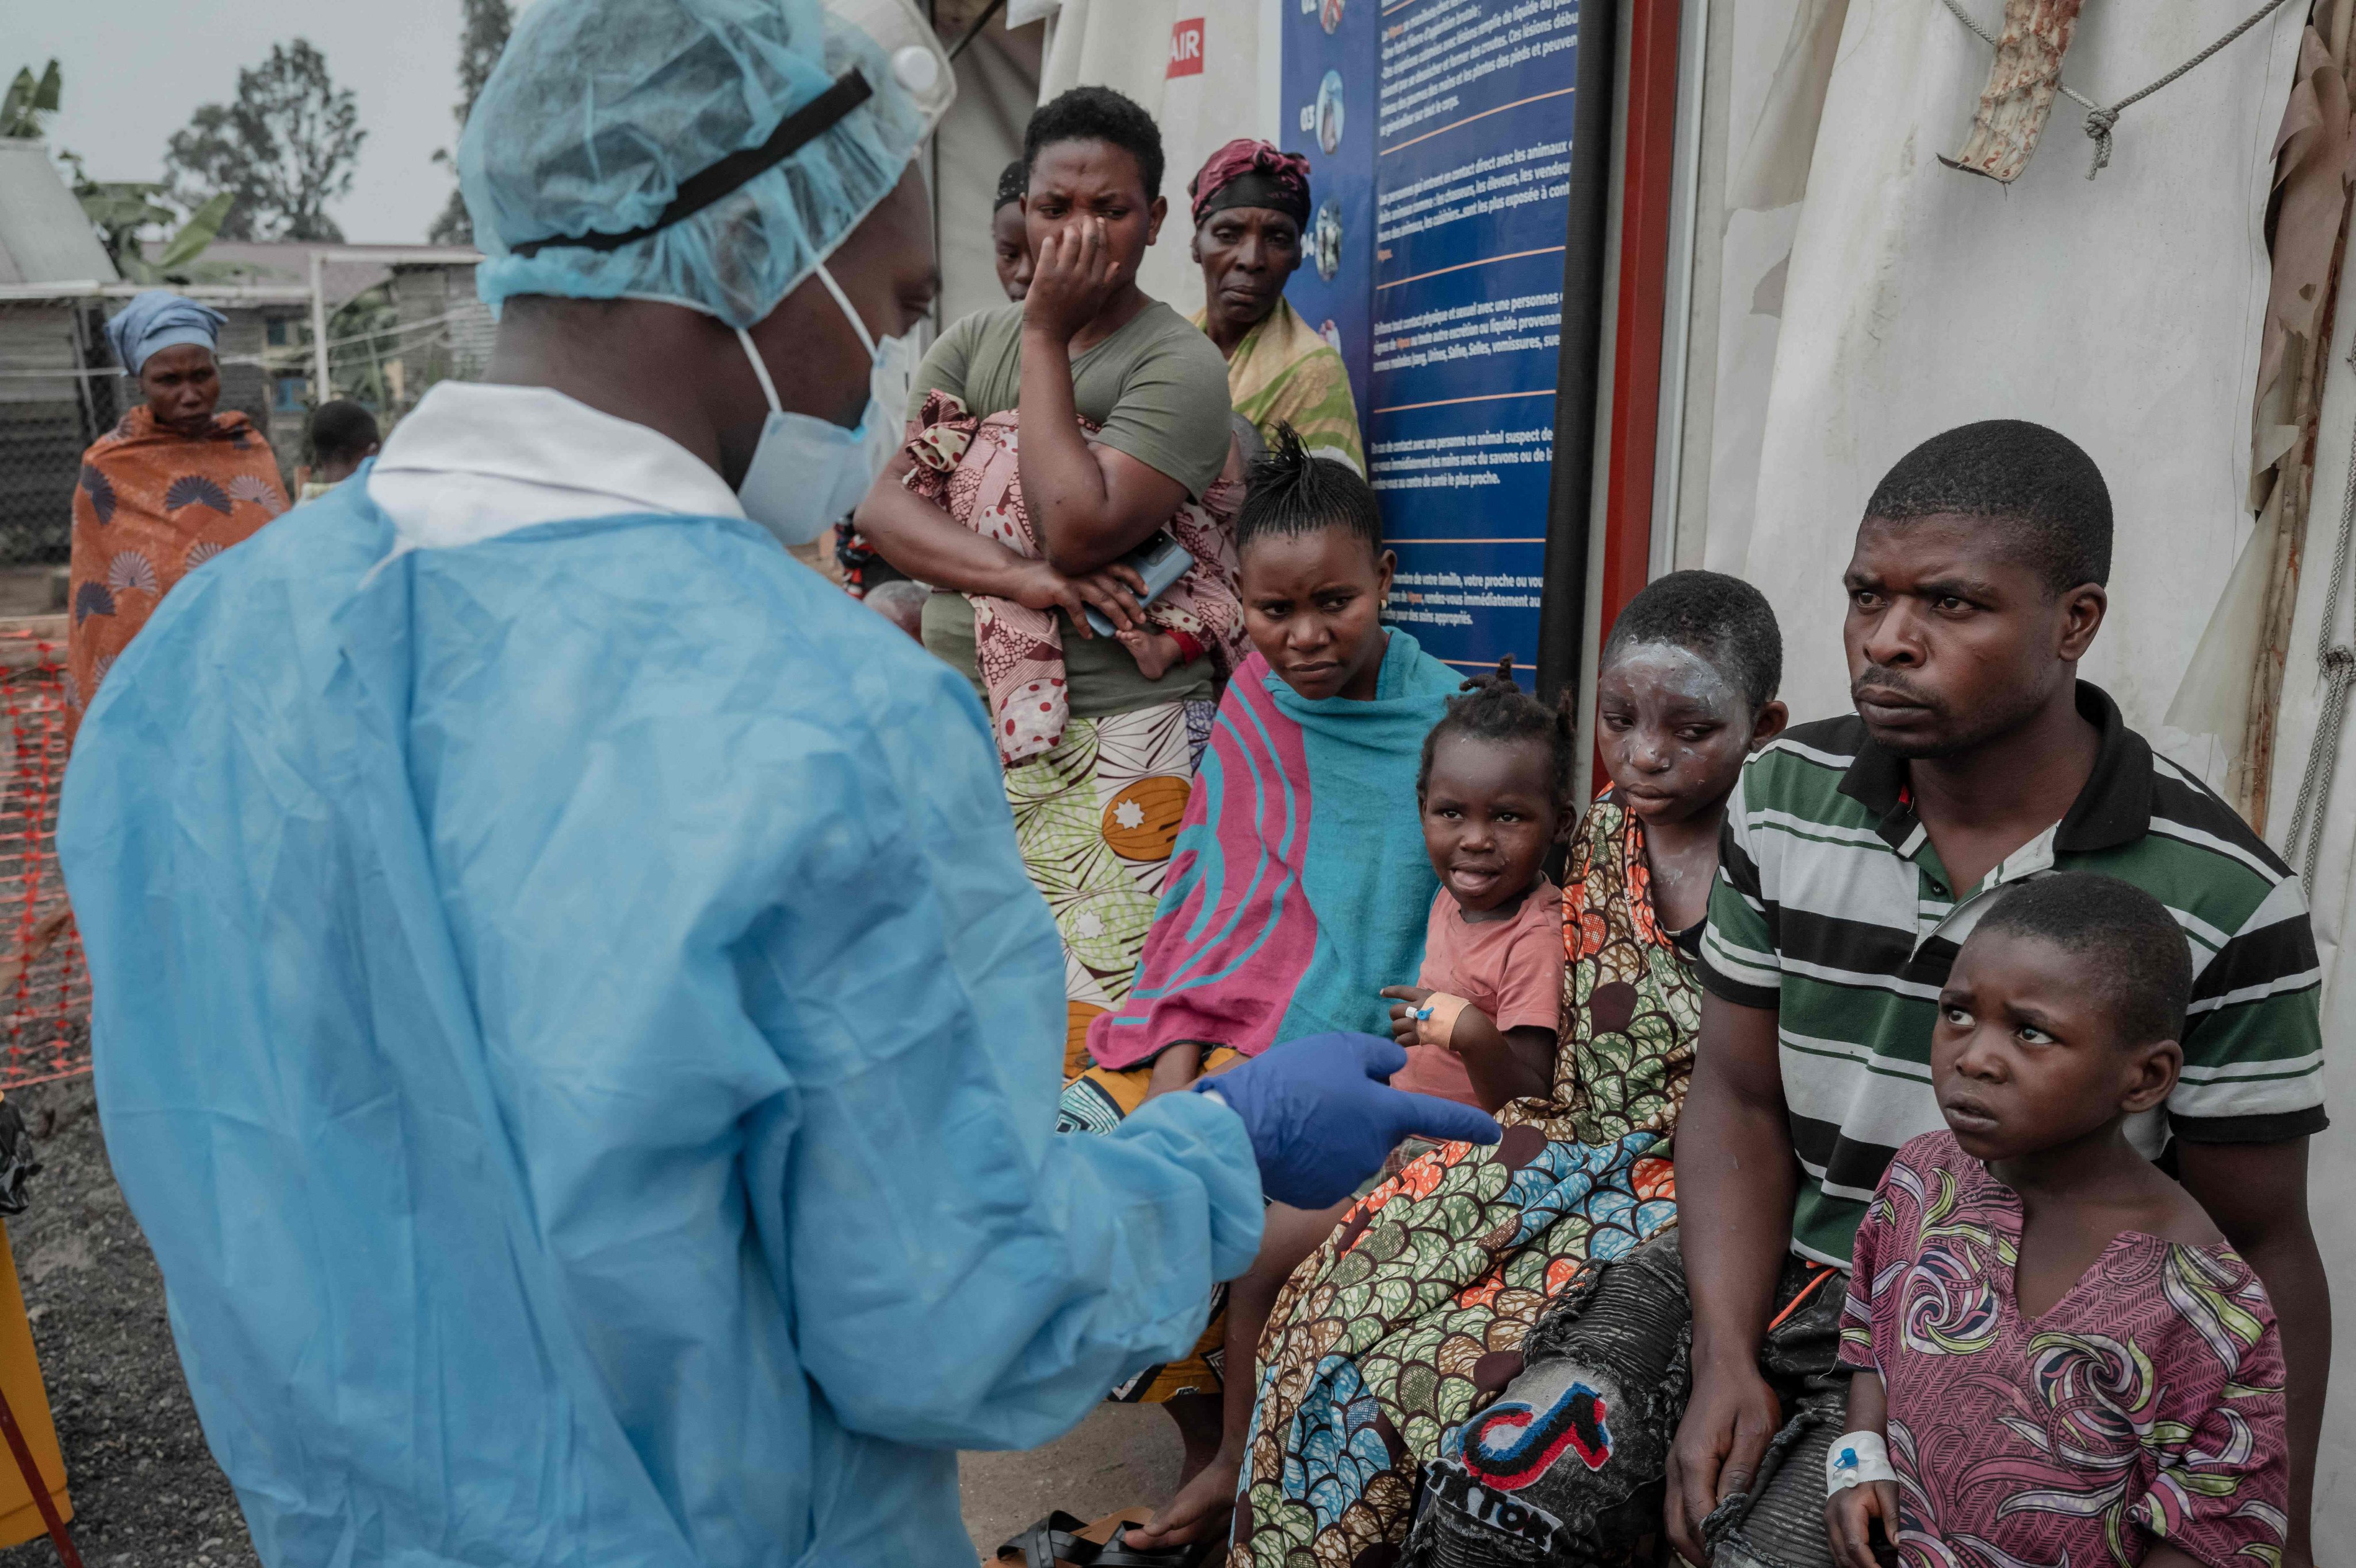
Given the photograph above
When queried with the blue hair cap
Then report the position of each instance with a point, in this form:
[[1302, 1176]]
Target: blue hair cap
[[600, 109]]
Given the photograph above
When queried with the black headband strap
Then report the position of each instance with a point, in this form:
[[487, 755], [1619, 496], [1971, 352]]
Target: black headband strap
[[701, 189]]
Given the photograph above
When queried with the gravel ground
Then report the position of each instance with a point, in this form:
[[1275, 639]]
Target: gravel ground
[[146, 1490]]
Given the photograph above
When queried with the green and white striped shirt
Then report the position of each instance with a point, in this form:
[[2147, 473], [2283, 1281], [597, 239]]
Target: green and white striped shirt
[[1833, 909]]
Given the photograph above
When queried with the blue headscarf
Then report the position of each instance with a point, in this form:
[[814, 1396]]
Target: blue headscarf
[[159, 318]]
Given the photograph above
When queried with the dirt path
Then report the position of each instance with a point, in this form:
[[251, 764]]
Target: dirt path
[[146, 1492]]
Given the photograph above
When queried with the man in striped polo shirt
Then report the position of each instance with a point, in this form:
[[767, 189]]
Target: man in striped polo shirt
[[1858, 853]]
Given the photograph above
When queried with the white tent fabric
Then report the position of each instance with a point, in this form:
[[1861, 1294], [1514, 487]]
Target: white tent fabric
[[998, 85], [1782, 56], [2333, 1172], [1898, 297], [2124, 311]]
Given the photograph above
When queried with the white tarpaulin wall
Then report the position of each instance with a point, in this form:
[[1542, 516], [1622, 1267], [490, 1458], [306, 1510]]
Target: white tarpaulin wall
[[2333, 1175], [2123, 311], [998, 86], [1866, 297]]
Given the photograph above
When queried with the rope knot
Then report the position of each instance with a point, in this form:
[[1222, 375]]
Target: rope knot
[[2339, 663], [2098, 125]]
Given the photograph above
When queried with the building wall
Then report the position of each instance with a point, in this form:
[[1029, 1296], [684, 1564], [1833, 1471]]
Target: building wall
[[456, 347], [246, 385]]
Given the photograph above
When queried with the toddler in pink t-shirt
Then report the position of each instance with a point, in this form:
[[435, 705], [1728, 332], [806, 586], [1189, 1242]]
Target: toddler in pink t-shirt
[[1479, 1023]]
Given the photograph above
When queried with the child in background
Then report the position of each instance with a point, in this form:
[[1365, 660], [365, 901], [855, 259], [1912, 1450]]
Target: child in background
[[342, 436], [1480, 1022], [2058, 1356], [1009, 241]]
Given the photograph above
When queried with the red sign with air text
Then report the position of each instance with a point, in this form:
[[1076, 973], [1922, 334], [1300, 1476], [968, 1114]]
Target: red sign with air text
[[1186, 49]]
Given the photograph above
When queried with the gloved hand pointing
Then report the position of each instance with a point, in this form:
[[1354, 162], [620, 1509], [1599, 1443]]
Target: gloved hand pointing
[[1321, 1120]]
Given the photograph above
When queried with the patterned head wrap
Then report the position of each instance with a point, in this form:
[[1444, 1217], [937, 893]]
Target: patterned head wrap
[[1246, 173]]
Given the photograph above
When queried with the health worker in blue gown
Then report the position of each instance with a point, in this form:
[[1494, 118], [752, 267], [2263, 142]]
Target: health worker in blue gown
[[569, 1014]]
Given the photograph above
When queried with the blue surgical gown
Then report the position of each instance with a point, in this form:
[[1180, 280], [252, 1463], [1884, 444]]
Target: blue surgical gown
[[572, 1024]]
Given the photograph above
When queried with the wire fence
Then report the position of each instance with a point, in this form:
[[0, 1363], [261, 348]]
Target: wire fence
[[59, 393], [40, 455], [44, 984], [57, 396]]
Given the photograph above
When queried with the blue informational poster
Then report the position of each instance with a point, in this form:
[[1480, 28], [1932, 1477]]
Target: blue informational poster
[[1329, 81], [1439, 137]]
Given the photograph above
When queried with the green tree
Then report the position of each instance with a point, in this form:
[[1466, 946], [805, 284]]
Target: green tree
[[488, 22], [124, 211], [29, 101], [282, 151]]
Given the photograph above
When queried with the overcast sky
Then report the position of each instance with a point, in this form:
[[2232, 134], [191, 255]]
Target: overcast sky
[[136, 70]]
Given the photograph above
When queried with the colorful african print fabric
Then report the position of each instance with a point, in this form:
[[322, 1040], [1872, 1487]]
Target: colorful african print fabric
[[1096, 820], [1300, 883], [970, 469], [2146, 1404], [1284, 373], [1411, 1317], [151, 506]]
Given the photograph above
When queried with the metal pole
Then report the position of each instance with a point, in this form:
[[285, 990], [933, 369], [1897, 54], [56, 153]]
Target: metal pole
[[1676, 326], [320, 392], [1562, 608]]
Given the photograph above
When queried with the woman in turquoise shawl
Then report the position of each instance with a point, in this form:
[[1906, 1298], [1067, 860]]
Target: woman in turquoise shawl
[[1298, 890], [1298, 886]]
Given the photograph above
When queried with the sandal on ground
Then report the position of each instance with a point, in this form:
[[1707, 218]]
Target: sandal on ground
[[1060, 1540]]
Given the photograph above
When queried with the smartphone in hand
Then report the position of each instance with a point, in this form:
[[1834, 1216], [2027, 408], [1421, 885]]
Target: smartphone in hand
[[1160, 561]]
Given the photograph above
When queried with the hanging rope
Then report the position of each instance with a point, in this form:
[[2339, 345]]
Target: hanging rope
[[2337, 665], [2100, 119]]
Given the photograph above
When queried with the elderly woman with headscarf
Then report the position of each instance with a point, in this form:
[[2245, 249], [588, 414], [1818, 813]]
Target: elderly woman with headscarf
[[174, 484], [1251, 206]]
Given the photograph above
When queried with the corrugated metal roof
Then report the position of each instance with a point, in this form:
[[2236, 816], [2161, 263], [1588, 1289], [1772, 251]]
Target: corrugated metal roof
[[44, 235], [349, 269]]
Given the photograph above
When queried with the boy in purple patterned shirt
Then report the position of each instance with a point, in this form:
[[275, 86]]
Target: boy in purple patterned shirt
[[2058, 1356]]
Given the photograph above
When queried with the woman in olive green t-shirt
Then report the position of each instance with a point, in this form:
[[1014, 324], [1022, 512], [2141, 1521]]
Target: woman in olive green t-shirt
[[1098, 815]]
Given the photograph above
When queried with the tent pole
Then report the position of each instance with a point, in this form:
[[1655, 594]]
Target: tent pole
[[318, 329], [1633, 444]]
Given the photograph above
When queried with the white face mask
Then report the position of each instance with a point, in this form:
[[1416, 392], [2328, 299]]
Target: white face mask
[[809, 472]]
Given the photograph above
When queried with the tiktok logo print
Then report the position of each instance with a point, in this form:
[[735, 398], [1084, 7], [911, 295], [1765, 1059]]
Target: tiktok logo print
[[1511, 1445]]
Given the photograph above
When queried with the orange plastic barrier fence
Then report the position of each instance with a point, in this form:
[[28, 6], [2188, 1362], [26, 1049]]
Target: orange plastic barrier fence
[[44, 985]]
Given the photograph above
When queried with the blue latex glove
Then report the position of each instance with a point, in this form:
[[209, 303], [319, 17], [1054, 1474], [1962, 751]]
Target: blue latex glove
[[1321, 1119]]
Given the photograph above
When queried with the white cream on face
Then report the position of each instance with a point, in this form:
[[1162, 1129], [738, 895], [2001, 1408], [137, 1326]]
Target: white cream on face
[[1681, 675], [1665, 688]]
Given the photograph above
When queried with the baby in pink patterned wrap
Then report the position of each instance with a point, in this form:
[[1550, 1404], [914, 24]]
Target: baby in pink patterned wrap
[[2058, 1358], [970, 469]]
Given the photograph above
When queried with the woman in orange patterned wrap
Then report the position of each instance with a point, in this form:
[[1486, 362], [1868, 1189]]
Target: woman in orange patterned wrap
[[172, 485]]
